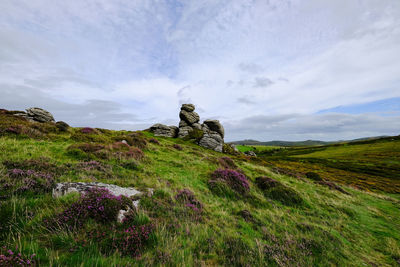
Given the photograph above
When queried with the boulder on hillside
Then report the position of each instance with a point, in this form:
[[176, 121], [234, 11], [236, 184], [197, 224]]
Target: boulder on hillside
[[40, 115], [164, 130], [62, 126], [216, 126]]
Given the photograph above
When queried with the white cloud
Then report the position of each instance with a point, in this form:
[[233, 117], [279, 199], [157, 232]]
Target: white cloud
[[233, 59]]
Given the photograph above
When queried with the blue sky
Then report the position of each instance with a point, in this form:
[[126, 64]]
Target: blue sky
[[277, 69]]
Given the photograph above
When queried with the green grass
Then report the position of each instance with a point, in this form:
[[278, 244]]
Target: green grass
[[371, 165], [256, 148], [328, 228]]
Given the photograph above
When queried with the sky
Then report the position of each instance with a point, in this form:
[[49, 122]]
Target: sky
[[267, 69]]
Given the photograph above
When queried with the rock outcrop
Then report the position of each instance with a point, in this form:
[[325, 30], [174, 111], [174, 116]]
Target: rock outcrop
[[36, 114], [189, 120], [164, 130], [210, 134], [62, 189], [213, 137], [40, 115]]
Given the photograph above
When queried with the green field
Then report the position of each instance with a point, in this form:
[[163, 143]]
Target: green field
[[301, 223], [370, 165], [255, 148]]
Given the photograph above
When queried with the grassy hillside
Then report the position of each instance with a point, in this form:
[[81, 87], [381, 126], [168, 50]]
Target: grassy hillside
[[370, 164], [194, 217]]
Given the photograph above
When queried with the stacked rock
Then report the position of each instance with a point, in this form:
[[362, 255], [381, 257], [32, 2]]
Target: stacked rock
[[211, 131], [213, 137], [189, 120]]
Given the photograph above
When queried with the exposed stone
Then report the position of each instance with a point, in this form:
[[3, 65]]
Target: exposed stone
[[196, 126], [188, 107], [184, 131], [183, 123], [62, 189], [175, 130], [189, 117], [250, 153], [163, 130], [216, 126], [62, 126], [23, 115], [40, 115], [212, 140]]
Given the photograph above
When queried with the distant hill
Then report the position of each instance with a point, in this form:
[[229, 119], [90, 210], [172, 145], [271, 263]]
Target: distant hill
[[250, 142]]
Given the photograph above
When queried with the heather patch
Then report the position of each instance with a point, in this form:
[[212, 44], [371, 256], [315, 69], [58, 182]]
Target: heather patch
[[127, 239], [97, 204], [9, 257], [177, 147], [187, 197], [154, 141], [234, 179], [41, 165], [20, 181], [227, 163]]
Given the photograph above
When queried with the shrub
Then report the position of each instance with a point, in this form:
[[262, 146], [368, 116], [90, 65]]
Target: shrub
[[92, 165], [11, 258], [154, 141], [87, 147], [21, 181], [277, 191], [229, 149], [41, 165], [313, 176], [234, 179], [135, 153], [227, 163], [87, 130], [187, 197], [97, 203], [127, 240], [177, 147], [120, 146], [137, 140]]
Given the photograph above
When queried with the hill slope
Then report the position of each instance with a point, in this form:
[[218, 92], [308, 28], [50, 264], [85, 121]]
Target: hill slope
[[286, 222]]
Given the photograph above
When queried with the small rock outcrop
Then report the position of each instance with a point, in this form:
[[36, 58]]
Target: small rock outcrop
[[62, 189], [250, 153], [36, 114], [189, 120], [40, 115], [213, 137], [210, 134], [164, 130]]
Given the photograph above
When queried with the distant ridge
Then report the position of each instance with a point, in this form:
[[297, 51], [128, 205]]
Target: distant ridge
[[250, 142]]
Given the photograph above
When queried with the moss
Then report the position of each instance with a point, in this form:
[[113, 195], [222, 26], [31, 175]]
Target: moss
[[195, 134], [228, 149]]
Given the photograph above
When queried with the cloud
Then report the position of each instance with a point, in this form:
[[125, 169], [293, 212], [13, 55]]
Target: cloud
[[233, 59], [332, 126]]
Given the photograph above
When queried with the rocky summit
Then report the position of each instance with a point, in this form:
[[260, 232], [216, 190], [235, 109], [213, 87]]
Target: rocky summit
[[36, 114], [210, 134]]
